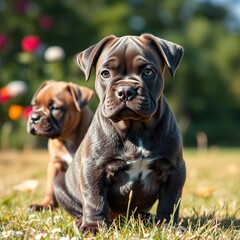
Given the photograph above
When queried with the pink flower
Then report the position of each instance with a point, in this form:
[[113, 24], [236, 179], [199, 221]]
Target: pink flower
[[26, 112], [30, 43], [3, 41], [46, 22]]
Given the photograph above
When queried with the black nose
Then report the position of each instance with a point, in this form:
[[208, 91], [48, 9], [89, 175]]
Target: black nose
[[126, 93], [35, 118]]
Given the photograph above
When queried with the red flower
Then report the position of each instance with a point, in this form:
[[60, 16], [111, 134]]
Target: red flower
[[46, 22], [3, 41], [5, 95], [30, 43]]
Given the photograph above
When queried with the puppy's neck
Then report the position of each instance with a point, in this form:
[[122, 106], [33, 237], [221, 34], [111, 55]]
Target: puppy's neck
[[122, 126], [73, 139], [129, 128]]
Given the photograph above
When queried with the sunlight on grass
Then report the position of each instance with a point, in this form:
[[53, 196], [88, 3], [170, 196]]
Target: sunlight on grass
[[209, 208]]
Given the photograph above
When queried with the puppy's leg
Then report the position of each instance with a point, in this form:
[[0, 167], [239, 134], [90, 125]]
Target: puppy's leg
[[65, 200], [170, 195], [49, 201]]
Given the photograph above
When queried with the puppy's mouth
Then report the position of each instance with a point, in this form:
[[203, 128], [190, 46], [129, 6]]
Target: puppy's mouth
[[128, 102], [44, 127]]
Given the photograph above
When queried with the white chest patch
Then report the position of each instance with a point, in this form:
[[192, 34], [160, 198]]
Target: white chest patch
[[139, 168], [138, 171], [67, 158]]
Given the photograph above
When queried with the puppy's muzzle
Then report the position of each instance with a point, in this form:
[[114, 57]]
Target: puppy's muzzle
[[42, 125], [126, 93], [35, 118]]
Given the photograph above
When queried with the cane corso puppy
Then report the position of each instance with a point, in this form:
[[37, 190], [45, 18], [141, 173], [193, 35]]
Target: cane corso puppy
[[61, 114], [133, 145]]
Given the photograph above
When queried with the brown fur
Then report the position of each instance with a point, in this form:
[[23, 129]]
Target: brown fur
[[60, 113]]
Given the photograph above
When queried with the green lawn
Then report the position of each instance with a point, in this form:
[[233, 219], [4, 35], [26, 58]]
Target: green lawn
[[209, 209]]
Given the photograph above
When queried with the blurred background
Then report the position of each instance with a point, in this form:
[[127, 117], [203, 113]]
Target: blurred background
[[39, 40]]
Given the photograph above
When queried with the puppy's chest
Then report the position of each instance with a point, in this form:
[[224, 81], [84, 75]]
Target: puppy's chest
[[134, 163], [61, 151], [138, 162], [69, 153]]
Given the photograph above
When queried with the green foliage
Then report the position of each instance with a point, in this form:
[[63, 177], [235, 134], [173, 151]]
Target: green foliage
[[205, 93]]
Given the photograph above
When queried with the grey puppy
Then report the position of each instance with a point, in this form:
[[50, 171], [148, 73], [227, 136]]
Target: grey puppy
[[133, 144]]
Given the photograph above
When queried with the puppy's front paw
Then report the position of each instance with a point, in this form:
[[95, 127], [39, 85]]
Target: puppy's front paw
[[40, 207], [93, 227]]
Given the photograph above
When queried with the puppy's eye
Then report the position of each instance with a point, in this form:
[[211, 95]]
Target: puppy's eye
[[55, 108], [105, 74], [148, 72]]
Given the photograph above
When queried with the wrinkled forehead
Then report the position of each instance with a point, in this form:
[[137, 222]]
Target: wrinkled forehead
[[53, 93], [128, 49]]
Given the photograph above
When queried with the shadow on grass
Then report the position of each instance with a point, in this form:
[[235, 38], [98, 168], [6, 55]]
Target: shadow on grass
[[200, 221]]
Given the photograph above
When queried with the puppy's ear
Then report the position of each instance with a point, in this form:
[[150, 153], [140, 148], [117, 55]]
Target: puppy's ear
[[45, 84], [81, 95], [88, 58], [171, 52]]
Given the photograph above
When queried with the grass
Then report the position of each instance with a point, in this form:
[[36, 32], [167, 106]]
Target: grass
[[209, 209]]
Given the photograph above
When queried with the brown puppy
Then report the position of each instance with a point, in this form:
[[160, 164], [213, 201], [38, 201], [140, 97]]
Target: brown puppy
[[60, 114], [133, 145]]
